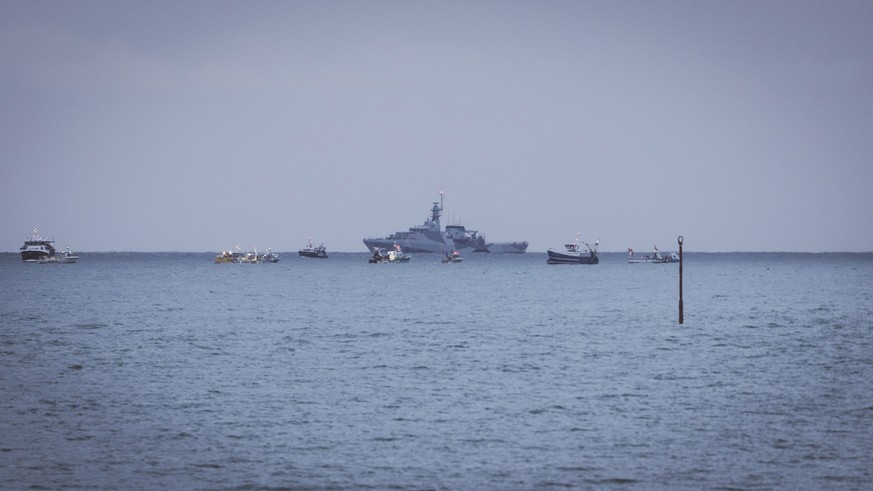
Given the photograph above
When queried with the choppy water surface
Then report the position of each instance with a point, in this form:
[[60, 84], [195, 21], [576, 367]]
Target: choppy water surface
[[151, 371]]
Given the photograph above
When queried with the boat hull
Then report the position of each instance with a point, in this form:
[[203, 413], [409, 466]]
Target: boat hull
[[315, 254], [439, 245], [58, 260], [656, 259], [34, 256], [502, 248]]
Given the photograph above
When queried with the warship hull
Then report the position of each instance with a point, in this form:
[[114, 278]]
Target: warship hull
[[436, 243]]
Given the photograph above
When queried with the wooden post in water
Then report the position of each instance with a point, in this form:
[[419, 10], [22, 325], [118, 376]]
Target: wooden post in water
[[681, 313]]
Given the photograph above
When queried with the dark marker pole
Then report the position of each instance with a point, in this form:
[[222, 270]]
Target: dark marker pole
[[681, 313]]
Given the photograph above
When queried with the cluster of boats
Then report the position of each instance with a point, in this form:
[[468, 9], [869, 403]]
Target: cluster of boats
[[254, 257], [39, 249], [573, 253], [430, 237], [237, 256], [396, 255]]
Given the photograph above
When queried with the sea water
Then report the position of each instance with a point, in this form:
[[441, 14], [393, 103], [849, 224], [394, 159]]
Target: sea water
[[167, 371]]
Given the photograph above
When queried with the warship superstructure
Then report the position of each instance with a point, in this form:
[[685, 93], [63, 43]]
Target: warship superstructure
[[430, 237]]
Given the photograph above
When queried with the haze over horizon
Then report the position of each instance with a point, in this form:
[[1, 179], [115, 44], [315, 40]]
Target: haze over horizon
[[199, 125]]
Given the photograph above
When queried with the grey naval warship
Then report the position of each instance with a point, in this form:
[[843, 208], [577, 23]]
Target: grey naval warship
[[430, 237]]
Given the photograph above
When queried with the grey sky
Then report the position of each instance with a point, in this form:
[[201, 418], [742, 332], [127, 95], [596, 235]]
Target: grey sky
[[197, 125]]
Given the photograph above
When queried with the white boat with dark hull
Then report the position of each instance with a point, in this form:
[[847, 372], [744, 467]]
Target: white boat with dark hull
[[37, 248], [655, 258], [574, 254], [430, 237]]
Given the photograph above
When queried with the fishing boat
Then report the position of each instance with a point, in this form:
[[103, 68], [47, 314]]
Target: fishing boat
[[235, 256], [655, 258], [574, 254], [269, 257], [37, 248], [309, 251]]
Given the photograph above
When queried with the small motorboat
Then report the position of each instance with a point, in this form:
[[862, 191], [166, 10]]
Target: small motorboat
[[250, 258], [574, 254], [398, 256], [453, 257], [66, 257], [656, 257], [269, 256], [378, 256]]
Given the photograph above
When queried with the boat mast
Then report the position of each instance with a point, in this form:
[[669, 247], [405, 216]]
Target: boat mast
[[435, 213]]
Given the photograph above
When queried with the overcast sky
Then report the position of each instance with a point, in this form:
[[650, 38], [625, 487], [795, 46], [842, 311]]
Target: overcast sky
[[198, 125]]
